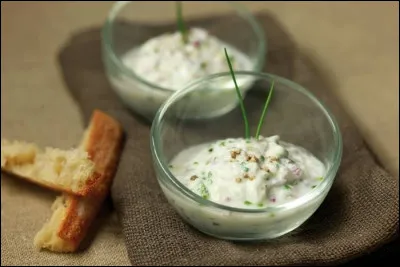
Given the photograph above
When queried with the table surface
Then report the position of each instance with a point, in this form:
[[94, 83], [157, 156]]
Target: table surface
[[357, 42]]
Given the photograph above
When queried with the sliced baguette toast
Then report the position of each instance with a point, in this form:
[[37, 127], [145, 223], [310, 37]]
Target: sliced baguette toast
[[69, 171], [72, 215]]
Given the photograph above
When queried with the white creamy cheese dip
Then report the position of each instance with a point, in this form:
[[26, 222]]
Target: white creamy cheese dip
[[168, 62], [252, 173]]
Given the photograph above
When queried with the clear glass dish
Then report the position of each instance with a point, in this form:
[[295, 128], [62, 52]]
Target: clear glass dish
[[131, 23], [294, 114]]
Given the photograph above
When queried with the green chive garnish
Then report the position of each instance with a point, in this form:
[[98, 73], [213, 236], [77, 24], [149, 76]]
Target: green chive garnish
[[246, 123], [264, 110], [180, 22], [247, 202], [287, 187]]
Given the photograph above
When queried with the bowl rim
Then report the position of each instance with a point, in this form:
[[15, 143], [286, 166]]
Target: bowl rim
[[170, 179], [106, 34]]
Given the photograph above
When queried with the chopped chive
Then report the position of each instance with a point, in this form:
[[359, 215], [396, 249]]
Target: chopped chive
[[260, 205], [244, 167], [180, 22], [314, 186], [320, 178], [170, 166], [204, 191], [222, 144], [195, 163], [246, 123], [262, 158], [210, 150], [264, 110], [287, 187], [203, 65], [247, 202]]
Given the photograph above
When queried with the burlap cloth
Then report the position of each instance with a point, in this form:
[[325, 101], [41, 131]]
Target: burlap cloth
[[359, 215]]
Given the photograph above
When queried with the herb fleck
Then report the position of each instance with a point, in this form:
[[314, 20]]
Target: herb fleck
[[260, 205], [272, 215], [314, 186], [247, 202], [195, 163], [287, 187], [211, 150], [222, 144], [203, 191], [203, 65], [170, 166], [194, 177], [216, 224], [244, 167], [262, 158], [320, 178]]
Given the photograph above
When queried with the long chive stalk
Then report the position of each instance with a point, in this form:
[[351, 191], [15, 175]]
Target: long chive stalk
[[246, 123], [264, 110], [180, 23]]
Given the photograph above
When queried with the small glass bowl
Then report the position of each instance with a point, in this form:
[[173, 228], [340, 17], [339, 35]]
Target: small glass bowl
[[294, 114], [131, 23]]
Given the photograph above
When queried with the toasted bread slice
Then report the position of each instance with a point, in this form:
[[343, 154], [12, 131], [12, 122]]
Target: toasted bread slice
[[68, 171], [72, 215]]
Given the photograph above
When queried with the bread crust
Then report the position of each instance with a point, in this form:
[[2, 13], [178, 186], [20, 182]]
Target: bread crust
[[73, 215]]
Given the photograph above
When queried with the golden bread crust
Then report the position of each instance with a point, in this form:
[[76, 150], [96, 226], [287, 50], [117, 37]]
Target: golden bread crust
[[71, 219]]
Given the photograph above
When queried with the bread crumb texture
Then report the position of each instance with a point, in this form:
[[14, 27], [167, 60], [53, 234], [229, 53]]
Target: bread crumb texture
[[66, 170]]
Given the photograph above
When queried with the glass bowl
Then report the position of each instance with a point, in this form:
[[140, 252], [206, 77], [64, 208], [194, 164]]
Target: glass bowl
[[132, 23], [294, 114]]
